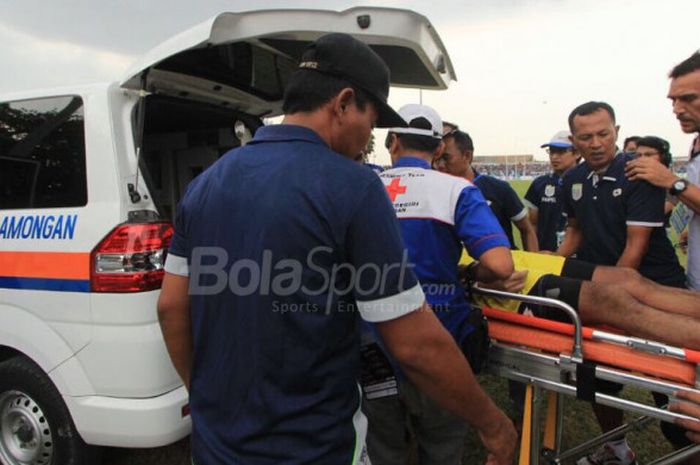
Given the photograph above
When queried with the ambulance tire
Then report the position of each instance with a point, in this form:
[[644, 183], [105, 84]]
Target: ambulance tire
[[35, 425]]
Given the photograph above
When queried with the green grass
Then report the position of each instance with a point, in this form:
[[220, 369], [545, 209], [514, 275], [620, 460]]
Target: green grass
[[579, 424]]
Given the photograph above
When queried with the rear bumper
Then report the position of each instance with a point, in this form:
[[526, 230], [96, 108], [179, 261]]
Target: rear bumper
[[120, 422]]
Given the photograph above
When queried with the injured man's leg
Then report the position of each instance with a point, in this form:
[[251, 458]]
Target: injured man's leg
[[601, 303], [670, 299]]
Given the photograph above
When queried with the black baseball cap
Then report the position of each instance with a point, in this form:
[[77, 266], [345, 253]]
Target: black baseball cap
[[344, 57]]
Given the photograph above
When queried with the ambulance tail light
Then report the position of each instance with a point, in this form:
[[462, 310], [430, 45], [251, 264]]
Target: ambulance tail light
[[131, 258]]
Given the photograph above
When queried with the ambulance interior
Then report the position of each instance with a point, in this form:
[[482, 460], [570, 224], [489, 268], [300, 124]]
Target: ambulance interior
[[189, 123], [181, 139]]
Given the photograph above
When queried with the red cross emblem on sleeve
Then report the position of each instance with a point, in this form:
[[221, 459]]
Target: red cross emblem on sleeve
[[395, 189]]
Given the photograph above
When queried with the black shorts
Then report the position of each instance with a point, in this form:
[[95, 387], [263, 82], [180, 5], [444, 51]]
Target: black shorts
[[565, 287], [578, 269], [552, 286]]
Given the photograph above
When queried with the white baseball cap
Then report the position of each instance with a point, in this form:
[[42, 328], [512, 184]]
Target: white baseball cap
[[411, 113], [560, 140]]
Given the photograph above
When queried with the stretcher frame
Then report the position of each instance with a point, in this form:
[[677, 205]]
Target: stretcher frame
[[510, 356]]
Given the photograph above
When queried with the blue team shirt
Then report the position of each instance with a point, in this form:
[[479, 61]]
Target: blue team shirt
[[605, 205], [275, 365], [545, 195], [440, 214], [503, 200]]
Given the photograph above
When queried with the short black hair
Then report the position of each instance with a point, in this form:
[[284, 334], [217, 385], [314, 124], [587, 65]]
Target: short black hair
[[463, 140], [634, 139], [687, 66], [589, 108], [661, 145], [308, 90]]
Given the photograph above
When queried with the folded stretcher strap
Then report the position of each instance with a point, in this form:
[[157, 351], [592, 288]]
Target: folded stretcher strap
[[554, 337]]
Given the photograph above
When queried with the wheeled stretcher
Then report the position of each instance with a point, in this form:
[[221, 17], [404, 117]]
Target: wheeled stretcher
[[568, 359]]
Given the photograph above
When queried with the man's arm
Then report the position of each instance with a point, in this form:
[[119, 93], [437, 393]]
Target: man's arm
[[635, 247], [532, 214], [657, 174], [174, 319], [431, 359], [572, 239], [527, 234], [494, 264]]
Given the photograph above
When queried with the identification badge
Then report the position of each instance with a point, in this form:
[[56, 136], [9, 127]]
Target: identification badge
[[577, 191], [377, 378], [549, 190]]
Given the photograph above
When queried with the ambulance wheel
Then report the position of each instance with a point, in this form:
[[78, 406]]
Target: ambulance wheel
[[35, 426]]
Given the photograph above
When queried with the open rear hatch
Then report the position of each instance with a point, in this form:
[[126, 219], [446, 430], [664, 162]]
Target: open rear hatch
[[235, 66]]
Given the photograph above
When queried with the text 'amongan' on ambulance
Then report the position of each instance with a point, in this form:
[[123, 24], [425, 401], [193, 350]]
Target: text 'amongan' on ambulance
[[38, 227]]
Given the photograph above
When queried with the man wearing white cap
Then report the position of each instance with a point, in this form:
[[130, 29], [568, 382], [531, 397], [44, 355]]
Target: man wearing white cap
[[438, 214], [544, 197]]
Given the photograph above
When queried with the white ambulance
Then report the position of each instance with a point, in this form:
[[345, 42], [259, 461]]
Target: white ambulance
[[89, 178]]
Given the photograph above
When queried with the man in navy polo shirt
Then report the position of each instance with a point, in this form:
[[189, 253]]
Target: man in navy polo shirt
[[544, 197], [275, 247], [438, 215], [504, 202], [613, 221]]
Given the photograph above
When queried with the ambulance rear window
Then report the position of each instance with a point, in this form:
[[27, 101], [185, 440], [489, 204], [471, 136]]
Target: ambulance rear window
[[42, 153]]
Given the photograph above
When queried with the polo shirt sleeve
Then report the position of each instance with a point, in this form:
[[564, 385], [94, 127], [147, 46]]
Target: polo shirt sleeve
[[645, 205], [178, 252], [533, 195], [515, 209], [476, 225], [386, 287]]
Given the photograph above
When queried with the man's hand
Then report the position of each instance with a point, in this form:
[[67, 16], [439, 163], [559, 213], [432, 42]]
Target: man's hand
[[690, 408], [500, 440], [513, 283], [650, 170]]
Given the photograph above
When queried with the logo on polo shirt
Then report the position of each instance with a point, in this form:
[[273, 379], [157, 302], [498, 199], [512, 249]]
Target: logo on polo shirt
[[577, 191], [549, 190], [617, 192]]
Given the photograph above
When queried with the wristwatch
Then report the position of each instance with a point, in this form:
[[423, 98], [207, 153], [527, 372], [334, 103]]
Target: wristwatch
[[679, 185]]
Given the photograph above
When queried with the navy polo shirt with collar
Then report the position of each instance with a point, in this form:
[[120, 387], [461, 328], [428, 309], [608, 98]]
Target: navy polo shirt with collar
[[606, 205], [439, 215], [284, 241], [503, 200], [545, 196]]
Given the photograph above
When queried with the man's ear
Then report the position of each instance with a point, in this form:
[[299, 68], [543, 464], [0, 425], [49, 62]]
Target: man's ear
[[439, 150], [469, 155], [617, 131], [341, 101], [390, 142]]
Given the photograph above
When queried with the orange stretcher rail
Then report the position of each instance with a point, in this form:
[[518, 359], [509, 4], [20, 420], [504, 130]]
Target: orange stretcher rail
[[563, 328], [668, 368]]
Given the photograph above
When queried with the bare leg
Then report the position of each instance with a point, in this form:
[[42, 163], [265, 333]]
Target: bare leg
[[669, 299], [612, 305]]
